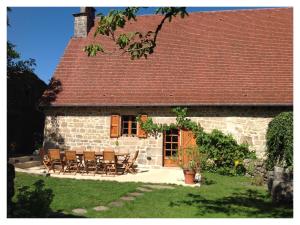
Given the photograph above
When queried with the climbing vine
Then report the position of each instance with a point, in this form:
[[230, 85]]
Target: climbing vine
[[220, 152], [182, 122]]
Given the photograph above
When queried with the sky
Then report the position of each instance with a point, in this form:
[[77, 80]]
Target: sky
[[42, 33]]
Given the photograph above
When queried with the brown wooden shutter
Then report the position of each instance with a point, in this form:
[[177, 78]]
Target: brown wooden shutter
[[114, 126], [141, 132], [188, 140]]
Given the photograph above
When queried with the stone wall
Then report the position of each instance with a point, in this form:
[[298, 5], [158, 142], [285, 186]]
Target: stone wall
[[256, 168], [280, 185], [71, 127]]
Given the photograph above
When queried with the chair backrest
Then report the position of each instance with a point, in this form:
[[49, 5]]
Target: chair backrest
[[135, 156], [96, 149], [89, 156], [70, 155], [109, 156], [109, 149], [54, 154], [42, 153]]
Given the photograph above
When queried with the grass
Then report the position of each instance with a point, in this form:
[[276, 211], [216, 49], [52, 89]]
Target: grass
[[219, 197]]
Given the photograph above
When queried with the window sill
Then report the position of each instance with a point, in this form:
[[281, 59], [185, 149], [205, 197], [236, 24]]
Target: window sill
[[126, 135]]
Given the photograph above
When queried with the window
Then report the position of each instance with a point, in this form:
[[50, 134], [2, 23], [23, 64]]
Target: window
[[126, 126], [171, 143], [129, 126]]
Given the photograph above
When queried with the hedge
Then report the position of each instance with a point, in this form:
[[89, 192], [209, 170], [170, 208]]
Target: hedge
[[280, 141]]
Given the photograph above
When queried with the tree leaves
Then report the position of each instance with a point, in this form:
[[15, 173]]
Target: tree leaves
[[93, 49], [172, 11], [124, 39], [14, 65], [136, 44]]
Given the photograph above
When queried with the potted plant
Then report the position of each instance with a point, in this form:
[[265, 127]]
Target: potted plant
[[189, 173], [191, 165]]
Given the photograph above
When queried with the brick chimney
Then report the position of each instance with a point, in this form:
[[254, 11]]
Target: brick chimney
[[83, 21]]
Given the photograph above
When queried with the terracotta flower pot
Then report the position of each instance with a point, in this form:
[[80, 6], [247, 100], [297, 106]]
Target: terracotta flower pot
[[189, 176]]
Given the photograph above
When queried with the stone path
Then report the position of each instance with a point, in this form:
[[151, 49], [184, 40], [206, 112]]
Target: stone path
[[101, 208], [154, 186], [79, 211], [144, 189], [127, 198], [116, 203], [135, 194]]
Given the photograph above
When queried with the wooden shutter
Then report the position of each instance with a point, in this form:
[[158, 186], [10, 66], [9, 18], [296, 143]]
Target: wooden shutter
[[188, 140], [141, 132], [115, 126]]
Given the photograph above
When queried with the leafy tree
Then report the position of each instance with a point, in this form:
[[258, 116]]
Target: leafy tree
[[24, 89], [14, 64], [137, 44]]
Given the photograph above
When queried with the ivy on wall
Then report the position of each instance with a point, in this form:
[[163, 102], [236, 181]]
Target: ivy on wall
[[182, 122], [220, 152]]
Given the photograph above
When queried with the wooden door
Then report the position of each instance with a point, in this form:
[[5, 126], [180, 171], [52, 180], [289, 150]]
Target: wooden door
[[188, 140], [170, 148]]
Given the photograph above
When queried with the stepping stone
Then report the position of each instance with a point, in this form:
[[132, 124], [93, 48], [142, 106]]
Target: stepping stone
[[155, 186], [79, 211], [101, 208], [127, 198], [136, 194], [144, 189], [116, 204]]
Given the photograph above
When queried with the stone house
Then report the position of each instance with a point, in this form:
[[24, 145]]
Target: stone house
[[232, 69]]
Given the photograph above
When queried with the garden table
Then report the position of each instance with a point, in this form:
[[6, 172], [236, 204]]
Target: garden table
[[120, 155], [97, 153]]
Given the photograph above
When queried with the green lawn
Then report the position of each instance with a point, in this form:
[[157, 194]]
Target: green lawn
[[221, 196]]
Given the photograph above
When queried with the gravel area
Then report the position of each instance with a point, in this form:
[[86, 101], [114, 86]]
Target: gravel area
[[145, 175]]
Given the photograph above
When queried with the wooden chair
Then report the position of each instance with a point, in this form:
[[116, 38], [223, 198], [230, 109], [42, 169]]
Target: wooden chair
[[129, 165], [96, 149], [109, 161], [71, 161], [79, 149], [99, 157], [45, 160], [90, 161], [55, 159]]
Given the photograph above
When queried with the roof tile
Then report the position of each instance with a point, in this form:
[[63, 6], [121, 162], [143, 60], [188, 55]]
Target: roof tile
[[214, 58]]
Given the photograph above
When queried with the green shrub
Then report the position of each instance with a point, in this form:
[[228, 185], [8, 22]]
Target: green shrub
[[250, 167], [227, 155], [10, 187], [33, 203], [280, 141]]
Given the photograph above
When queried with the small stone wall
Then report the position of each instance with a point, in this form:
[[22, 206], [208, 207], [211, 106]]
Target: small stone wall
[[69, 127], [280, 185], [256, 167]]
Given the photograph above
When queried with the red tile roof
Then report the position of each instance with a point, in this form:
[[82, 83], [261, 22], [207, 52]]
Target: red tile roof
[[242, 57]]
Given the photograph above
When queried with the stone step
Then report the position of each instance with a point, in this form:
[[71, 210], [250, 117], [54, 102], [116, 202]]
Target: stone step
[[21, 159], [24, 165]]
